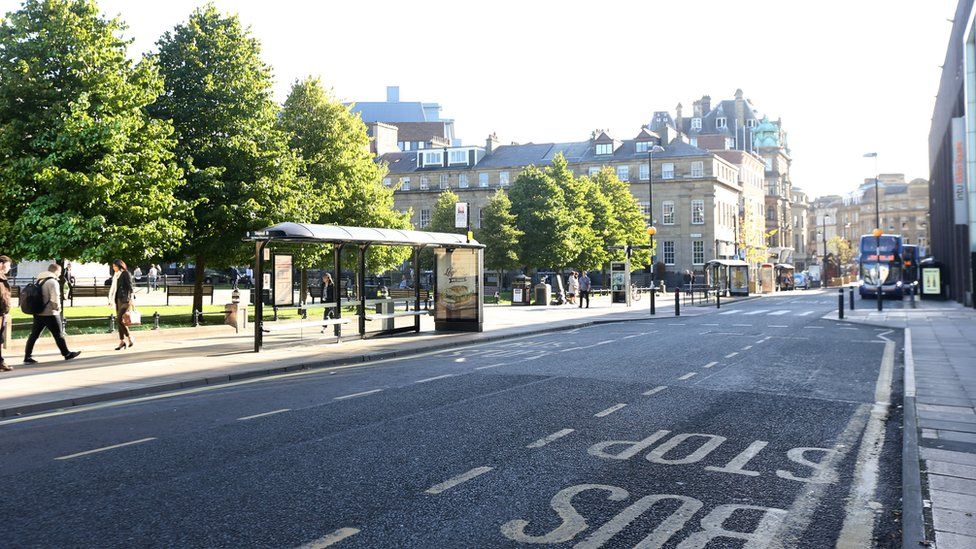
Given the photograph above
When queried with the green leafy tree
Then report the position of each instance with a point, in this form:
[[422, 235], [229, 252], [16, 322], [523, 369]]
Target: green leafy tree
[[841, 249], [627, 224], [85, 173], [541, 213], [442, 217], [587, 239], [240, 173], [499, 234]]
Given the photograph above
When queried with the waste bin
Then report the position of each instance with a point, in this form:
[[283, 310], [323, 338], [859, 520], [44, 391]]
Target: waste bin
[[935, 281], [543, 293], [385, 308], [235, 314], [521, 290]]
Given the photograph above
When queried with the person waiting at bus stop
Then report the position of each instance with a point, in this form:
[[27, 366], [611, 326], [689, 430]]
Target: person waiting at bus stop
[[584, 289]]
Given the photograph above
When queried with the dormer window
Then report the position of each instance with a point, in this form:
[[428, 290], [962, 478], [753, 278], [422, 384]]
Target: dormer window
[[458, 157], [720, 122], [604, 148], [644, 146], [696, 123], [751, 123], [434, 158]]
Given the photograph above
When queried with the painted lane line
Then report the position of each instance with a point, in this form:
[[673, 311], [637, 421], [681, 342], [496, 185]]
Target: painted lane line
[[112, 447], [549, 438], [747, 347], [630, 336], [814, 327], [676, 323], [780, 312], [806, 313], [655, 390], [742, 325], [331, 539], [454, 481], [757, 312], [848, 328], [354, 395], [609, 410], [732, 312], [732, 354], [710, 364], [491, 366], [710, 324], [687, 376], [434, 378], [777, 326], [245, 418]]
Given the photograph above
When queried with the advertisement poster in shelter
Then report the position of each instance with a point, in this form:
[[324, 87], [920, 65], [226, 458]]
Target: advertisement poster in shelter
[[457, 285], [283, 295]]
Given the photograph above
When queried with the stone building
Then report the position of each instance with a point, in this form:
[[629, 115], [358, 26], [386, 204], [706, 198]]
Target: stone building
[[803, 252]]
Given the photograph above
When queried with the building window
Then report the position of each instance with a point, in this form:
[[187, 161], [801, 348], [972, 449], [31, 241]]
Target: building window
[[386, 181], [769, 164], [623, 173], [593, 171], [720, 122], [420, 144], [482, 179], [604, 148], [696, 123], [698, 252], [694, 141], [697, 168], [458, 157], [434, 158], [404, 183], [424, 218], [667, 251], [697, 212], [667, 170], [444, 181], [644, 171], [751, 123], [644, 146], [400, 145], [729, 143], [645, 208], [424, 183], [503, 179], [667, 212], [481, 217], [463, 181]]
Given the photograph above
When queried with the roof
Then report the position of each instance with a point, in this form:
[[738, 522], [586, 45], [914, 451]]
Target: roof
[[382, 111], [728, 262], [335, 234], [419, 131]]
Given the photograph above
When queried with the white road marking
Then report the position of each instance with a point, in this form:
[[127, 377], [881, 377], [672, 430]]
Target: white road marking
[[630, 336], [331, 539], [777, 326], [747, 347], [245, 418], [806, 313], [848, 328], [112, 447], [780, 312], [710, 364], [732, 312], [742, 325], [655, 390], [814, 327], [549, 438], [689, 375], [491, 366], [434, 378], [676, 323], [354, 395], [454, 481], [709, 324], [462, 359], [757, 312], [732, 354], [609, 410]]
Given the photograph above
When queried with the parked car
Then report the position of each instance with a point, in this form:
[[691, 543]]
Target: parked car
[[800, 281]]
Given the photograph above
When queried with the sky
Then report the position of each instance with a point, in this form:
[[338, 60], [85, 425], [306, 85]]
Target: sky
[[846, 77]]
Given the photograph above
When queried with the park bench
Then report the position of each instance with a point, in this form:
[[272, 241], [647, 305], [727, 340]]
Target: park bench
[[186, 290], [88, 291], [299, 325], [14, 292], [407, 293]]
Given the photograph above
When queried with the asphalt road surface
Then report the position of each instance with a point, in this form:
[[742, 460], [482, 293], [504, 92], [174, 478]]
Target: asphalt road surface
[[760, 424]]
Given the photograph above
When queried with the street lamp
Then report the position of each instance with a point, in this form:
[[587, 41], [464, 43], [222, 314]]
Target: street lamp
[[650, 212], [877, 255], [650, 232], [877, 222]]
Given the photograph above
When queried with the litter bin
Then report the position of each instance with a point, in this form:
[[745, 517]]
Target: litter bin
[[521, 290], [385, 308], [543, 293], [935, 280], [235, 314]]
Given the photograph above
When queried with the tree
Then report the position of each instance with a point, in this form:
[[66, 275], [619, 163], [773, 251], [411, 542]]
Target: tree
[[587, 239], [541, 213], [346, 186], [629, 226], [841, 249], [442, 218], [240, 174], [86, 173], [499, 234]]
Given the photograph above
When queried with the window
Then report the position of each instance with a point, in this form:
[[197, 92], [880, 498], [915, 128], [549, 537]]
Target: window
[[420, 144], [604, 148], [386, 181], [720, 122], [463, 181], [404, 183], [667, 212], [667, 251], [697, 212], [424, 183], [645, 208], [693, 141], [434, 158], [458, 157], [483, 179], [697, 168], [503, 179], [444, 181], [424, 218], [623, 173], [400, 145], [751, 123], [769, 164], [698, 252], [667, 170], [644, 171], [696, 123], [593, 171], [729, 143], [481, 217], [644, 146]]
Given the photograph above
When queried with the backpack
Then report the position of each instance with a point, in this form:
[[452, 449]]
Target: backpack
[[32, 298]]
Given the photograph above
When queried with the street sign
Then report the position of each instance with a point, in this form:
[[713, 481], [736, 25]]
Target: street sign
[[460, 215]]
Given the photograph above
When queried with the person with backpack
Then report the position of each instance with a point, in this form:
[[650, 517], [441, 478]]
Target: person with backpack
[[42, 299], [4, 307], [121, 295]]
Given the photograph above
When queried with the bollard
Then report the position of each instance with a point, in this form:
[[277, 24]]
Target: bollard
[[64, 326], [111, 323], [653, 295], [718, 300], [840, 303], [155, 321], [196, 318], [275, 309], [852, 298], [677, 302], [912, 292], [304, 312], [880, 297]]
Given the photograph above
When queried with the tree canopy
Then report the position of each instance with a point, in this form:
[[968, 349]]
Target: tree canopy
[[499, 234], [541, 213], [442, 217], [626, 224]]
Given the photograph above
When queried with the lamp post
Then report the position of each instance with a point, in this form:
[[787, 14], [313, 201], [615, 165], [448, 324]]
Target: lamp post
[[877, 223], [823, 226], [650, 213], [650, 232]]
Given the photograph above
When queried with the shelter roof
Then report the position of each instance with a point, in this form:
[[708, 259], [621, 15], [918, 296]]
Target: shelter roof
[[336, 234]]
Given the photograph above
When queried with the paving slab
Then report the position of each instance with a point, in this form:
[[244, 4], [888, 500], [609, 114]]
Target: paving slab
[[952, 484], [953, 501], [955, 522], [954, 541], [950, 469]]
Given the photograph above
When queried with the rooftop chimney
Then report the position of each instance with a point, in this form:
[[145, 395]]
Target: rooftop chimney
[[393, 94], [706, 104], [491, 143]]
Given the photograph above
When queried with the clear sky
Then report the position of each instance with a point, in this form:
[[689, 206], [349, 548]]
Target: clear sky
[[847, 77]]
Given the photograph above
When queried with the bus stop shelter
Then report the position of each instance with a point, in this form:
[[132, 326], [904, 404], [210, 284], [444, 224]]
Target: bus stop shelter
[[457, 283], [729, 276]]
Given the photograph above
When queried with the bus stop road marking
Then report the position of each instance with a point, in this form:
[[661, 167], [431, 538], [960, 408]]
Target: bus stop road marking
[[688, 376], [655, 390], [732, 354], [331, 539], [710, 364], [354, 395], [609, 410], [454, 481], [434, 378], [549, 438]]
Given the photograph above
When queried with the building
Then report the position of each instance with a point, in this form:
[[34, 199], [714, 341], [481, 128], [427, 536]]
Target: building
[[803, 252], [404, 125], [952, 159]]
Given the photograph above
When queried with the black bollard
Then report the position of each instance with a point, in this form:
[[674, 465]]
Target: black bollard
[[275, 309], [912, 292], [677, 302], [155, 320], [880, 298], [718, 300], [653, 295], [111, 323], [840, 302], [852, 297]]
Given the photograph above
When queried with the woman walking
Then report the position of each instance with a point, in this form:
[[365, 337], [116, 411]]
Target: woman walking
[[328, 295], [573, 288], [121, 295]]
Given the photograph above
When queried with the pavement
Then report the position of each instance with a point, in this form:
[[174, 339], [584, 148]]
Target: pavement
[[758, 425], [940, 418], [191, 357]]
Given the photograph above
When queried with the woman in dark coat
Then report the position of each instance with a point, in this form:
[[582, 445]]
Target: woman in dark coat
[[328, 295], [120, 295]]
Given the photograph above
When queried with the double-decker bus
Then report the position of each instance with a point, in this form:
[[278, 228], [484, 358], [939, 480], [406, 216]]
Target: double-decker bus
[[881, 264]]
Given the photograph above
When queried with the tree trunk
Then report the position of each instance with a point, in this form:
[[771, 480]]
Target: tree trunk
[[198, 285]]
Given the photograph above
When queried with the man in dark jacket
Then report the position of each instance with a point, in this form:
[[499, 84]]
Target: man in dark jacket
[[4, 307], [48, 317]]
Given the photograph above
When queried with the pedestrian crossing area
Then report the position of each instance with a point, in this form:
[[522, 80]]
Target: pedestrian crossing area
[[767, 312]]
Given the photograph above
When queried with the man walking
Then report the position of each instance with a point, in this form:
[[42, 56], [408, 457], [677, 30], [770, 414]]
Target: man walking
[[4, 307], [584, 289], [153, 276], [48, 317]]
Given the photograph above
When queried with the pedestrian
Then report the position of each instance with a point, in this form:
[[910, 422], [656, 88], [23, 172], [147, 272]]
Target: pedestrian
[[572, 287], [121, 295], [4, 307], [249, 276], [137, 274], [48, 315], [584, 290], [153, 277], [235, 277], [328, 295]]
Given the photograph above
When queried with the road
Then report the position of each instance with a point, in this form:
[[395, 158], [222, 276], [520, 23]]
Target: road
[[760, 424]]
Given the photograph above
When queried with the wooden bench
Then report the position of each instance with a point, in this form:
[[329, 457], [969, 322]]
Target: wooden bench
[[186, 290], [408, 293], [15, 292], [317, 324], [380, 316], [88, 291]]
